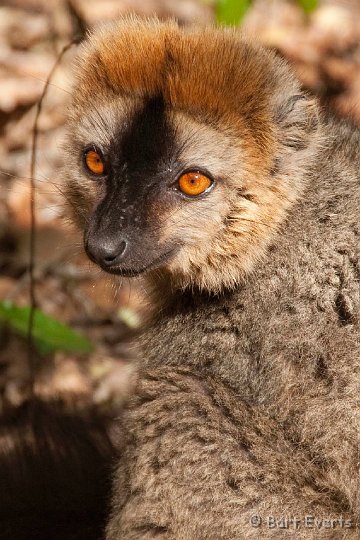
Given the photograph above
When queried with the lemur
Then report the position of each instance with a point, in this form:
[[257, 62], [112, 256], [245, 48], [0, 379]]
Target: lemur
[[194, 157]]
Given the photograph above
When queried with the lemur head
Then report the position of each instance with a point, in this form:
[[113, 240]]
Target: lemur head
[[186, 148]]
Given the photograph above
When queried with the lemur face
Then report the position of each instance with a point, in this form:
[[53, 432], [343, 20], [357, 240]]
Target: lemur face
[[150, 186], [177, 161], [156, 187]]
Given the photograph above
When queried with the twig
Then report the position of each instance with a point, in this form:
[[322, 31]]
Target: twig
[[32, 255]]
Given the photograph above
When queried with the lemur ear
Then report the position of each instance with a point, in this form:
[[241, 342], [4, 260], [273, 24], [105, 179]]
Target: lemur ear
[[297, 118]]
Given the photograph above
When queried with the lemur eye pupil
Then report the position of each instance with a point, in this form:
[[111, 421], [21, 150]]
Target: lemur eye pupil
[[193, 183], [94, 162]]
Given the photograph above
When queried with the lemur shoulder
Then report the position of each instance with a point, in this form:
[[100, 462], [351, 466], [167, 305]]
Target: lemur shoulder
[[194, 157]]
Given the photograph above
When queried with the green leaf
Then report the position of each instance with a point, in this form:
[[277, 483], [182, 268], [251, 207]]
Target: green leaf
[[231, 11], [308, 5], [48, 333]]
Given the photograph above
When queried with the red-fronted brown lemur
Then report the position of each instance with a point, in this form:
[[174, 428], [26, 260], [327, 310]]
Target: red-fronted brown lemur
[[194, 157]]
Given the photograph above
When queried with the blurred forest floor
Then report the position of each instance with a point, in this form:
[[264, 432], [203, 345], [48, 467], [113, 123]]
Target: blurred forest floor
[[324, 47]]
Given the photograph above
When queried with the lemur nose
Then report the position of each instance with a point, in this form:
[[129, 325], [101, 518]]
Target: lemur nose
[[106, 253]]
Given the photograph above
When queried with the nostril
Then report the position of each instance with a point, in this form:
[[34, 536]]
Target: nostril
[[114, 253], [110, 258]]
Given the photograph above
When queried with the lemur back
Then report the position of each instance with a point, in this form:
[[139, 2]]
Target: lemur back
[[195, 158]]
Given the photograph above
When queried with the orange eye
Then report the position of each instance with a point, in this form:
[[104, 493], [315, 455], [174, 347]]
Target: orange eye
[[194, 183], [94, 162]]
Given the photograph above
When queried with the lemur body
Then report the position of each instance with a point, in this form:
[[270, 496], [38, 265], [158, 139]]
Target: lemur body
[[247, 395]]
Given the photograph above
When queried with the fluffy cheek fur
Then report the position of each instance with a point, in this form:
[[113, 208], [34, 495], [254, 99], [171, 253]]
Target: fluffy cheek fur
[[230, 229], [194, 227], [223, 232]]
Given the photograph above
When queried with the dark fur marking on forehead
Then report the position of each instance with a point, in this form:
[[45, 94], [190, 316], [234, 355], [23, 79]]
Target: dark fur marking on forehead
[[140, 157], [148, 142]]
